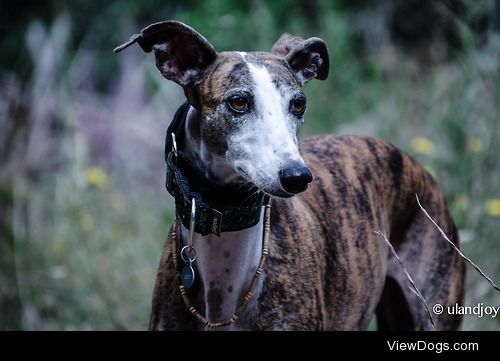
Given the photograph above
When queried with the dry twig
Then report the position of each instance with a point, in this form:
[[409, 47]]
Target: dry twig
[[456, 248], [412, 286]]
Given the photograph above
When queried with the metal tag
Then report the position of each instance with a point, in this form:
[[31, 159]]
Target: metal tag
[[187, 275]]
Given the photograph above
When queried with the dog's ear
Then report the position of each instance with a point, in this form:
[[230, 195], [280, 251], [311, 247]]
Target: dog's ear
[[307, 58], [182, 54]]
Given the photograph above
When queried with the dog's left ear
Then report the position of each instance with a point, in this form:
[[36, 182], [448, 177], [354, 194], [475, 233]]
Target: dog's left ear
[[307, 58], [182, 54]]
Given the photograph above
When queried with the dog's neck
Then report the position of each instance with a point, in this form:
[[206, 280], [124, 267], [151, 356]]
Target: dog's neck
[[225, 264]]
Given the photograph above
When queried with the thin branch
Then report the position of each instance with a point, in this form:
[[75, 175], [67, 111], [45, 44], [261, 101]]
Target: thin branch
[[412, 287], [456, 248]]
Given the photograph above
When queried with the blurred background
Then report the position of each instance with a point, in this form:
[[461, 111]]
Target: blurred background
[[83, 208]]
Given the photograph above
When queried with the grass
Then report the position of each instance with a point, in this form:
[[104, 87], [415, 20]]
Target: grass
[[84, 208]]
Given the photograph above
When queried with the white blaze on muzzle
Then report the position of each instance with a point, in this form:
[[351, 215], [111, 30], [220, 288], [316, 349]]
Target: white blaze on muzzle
[[270, 138]]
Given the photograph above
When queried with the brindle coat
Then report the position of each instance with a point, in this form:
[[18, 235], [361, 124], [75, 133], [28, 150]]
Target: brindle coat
[[327, 269]]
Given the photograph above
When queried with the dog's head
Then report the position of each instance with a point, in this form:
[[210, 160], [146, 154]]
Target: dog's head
[[251, 105]]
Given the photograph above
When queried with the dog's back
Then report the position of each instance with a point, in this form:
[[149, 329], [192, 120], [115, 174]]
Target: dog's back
[[325, 238]]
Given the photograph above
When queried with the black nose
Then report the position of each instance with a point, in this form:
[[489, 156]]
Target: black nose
[[295, 178]]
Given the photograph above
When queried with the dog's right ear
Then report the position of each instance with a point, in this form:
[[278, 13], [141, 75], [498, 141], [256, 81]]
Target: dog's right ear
[[182, 54]]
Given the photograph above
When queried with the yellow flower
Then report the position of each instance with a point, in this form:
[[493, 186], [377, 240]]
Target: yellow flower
[[493, 207], [462, 202], [422, 145], [475, 145], [97, 177]]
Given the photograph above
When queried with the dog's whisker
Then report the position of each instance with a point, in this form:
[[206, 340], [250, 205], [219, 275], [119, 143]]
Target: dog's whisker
[[249, 197]]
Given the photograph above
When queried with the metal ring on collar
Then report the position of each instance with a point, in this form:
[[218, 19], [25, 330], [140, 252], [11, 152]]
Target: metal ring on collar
[[186, 252], [189, 249]]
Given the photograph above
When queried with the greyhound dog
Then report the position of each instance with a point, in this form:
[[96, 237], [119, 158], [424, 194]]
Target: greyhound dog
[[270, 238]]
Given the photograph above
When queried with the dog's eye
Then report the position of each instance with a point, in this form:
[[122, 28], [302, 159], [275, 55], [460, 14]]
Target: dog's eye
[[298, 106], [238, 104]]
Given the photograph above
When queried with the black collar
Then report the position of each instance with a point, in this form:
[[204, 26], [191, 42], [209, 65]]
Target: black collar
[[218, 209]]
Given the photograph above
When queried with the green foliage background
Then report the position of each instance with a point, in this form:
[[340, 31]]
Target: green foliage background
[[84, 212]]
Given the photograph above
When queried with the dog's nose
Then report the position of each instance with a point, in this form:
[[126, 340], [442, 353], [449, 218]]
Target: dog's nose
[[295, 178]]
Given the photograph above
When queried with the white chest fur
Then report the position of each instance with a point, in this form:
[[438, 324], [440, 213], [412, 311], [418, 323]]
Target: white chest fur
[[226, 266]]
